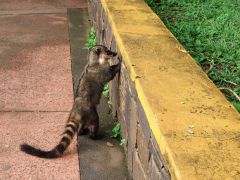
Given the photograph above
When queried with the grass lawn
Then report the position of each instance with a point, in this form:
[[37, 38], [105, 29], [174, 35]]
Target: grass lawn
[[210, 31]]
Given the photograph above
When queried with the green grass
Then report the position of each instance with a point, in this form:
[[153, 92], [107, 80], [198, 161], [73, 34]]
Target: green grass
[[210, 31]]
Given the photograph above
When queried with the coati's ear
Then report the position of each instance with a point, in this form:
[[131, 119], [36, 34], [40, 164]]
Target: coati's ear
[[98, 51], [92, 56]]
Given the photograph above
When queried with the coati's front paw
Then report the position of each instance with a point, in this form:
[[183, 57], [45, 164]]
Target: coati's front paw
[[92, 136]]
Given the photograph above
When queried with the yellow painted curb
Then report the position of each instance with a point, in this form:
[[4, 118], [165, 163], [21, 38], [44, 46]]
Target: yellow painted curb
[[197, 129]]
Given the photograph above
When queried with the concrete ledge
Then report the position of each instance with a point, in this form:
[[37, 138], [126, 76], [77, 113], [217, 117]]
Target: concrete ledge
[[169, 110]]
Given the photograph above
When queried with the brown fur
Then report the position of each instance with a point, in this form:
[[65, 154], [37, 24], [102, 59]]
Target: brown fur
[[101, 68]]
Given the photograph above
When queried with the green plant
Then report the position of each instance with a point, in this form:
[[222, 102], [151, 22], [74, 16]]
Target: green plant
[[122, 142], [92, 40], [209, 30], [116, 133], [106, 91]]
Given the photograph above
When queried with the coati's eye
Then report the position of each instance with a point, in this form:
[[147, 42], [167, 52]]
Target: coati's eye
[[110, 53]]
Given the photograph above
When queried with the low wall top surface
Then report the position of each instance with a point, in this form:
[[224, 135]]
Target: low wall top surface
[[197, 129]]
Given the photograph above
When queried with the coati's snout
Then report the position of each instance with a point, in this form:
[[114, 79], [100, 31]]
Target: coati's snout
[[113, 60], [109, 59], [111, 53]]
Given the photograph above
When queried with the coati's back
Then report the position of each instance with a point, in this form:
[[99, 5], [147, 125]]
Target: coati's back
[[101, 68]]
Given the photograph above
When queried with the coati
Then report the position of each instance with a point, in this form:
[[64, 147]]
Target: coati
[[102, 66]]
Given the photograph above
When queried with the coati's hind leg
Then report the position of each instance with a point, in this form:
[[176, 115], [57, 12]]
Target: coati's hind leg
[[93, 129], [82, 130], [93, 124]]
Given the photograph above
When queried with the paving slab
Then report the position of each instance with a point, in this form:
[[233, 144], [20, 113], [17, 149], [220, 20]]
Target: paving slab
[[36, 93], [41, 130], [36, 4], [35, 70]]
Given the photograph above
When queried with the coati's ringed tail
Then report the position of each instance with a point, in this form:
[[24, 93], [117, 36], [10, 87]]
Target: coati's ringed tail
[[57, 151]]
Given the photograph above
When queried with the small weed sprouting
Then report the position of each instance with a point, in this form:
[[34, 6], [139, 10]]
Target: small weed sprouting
[[122, 142], [115, 133], [106, 91], [92, 39], [109, 104]]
